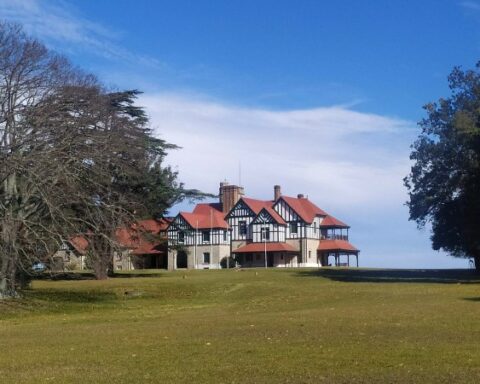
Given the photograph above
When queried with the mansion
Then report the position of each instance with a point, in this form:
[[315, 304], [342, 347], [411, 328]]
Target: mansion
[[236, 231], [283, 232]]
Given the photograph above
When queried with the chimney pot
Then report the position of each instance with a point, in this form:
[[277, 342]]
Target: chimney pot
[[300, 196], [277, 192]]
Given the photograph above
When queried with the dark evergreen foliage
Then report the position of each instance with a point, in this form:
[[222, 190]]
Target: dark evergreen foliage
[[444, 183]]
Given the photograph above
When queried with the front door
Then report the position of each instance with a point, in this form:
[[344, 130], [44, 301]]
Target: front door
[[270, 258], [182, 259]]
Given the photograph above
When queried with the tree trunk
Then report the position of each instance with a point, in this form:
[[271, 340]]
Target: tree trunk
[[8, 239], [476, 258]]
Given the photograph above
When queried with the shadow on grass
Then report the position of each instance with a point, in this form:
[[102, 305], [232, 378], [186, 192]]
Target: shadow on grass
[[137, 274], [442, 276], [64, 276], [65, 296], [72, 276], [472, 299]]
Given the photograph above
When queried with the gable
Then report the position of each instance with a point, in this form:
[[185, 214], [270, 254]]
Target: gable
[[265, 217], [240, 209], [179, 224], [304, 208], [285, 211]]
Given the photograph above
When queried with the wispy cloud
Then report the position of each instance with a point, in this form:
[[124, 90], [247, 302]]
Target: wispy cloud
[[471, 5], [59, 24], [350, 163], [339, 156]]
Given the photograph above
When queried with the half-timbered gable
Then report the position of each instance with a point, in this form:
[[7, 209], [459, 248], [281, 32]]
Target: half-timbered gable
[[205, 225], [180, 232], [303, 217], [239, 220], [267, 228], [295, 225]]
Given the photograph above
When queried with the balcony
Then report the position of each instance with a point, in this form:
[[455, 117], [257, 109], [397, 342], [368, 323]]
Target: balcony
[[334, 237]]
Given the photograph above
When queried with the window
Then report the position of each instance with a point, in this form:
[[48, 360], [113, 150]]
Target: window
[[242, 228], [249, 257], [206, 257], [206, 236], [181, 237], [265, 233], [309, 254], [315, 227], [294, 227], [225, 237], [258, 256]]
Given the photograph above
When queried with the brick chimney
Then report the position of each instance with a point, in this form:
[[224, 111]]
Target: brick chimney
[[229, 195], [277, 192]]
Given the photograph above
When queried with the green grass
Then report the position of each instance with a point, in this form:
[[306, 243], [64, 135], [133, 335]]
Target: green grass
[[250, 326]]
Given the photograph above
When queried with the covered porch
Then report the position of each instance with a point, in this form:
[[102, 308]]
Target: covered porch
[[151, 260], [149, 255], [267, 254], [340, 250]]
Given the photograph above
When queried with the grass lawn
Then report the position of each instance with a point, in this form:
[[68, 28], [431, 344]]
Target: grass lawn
[[249, 326]]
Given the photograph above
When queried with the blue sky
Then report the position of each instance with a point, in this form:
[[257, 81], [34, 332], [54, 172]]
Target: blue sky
[[320, 97]]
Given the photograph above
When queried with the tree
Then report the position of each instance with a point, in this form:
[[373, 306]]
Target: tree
[[75, 159], [444, 182]]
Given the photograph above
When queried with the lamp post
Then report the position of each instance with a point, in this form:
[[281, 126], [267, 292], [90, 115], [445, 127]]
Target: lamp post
[[265, 249], [195, 263], [264, 234]]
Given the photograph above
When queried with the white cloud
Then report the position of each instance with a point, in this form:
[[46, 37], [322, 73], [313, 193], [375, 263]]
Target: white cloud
[[60, 24], [349, 163], [339, 157]]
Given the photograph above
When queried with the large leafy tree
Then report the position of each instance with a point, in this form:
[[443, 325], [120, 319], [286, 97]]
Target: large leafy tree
[[74, 159], [444, 183]]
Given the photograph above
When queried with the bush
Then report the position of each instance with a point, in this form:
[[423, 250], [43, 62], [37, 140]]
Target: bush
[[228, 262]]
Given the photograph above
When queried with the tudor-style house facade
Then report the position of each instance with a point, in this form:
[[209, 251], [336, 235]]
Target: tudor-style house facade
[[198, 240], [283, 232]]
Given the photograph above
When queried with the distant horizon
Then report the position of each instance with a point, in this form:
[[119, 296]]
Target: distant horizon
[[321, 98]]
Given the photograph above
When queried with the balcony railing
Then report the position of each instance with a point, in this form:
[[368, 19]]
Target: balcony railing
[[334, 237]]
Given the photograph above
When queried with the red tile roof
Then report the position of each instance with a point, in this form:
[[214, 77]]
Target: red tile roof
[[257, 205], [206, 216], [132, 237], [147, 248], [136, 237], [80, 244], [336, 245], [151, 225], [332, 222], [260, 247], [304, 208]]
